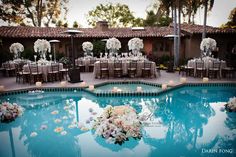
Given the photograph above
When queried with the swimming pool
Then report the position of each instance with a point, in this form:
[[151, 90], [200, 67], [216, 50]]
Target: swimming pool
[[187, 121]]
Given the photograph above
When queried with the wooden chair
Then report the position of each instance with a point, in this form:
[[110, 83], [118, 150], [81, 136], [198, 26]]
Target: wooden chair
[[214, 71], [104, 71], [35, 74], [9, 70], [54, 74], [64, 71], [118, 68], [132, 69], [81, 65], [91, 65], [200, 69], [189, 71], [146, 70], [228, 71]]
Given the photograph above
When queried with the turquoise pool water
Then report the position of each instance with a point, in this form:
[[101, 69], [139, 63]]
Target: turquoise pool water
[[127, 87], [185, 122]]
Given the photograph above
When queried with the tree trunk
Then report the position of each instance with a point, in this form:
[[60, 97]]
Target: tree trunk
[[205, 19], [175, 36], [179, 31]]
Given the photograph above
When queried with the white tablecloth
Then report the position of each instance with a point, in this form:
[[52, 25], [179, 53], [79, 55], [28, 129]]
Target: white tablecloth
[[208, 63], [42, 68], [125, 66], [85, 61]]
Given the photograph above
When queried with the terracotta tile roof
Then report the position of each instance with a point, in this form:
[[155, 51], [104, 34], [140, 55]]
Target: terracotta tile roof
[[52, 32], [197, 29]]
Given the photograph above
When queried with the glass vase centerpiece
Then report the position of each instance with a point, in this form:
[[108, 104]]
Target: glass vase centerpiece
[[135, 44], [16, 49], [42, 46], [207, 46], [87, 48], [113, 45]]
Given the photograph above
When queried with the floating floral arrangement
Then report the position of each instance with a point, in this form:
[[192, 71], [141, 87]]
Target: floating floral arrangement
[[118, 124], [231, 105], [9, 112]]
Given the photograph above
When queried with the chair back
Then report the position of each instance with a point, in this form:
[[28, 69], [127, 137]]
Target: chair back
[[6, 65], [133, 64], [92, 61], [55, 67], [103, 64], [147, 65], [33, 68], [200, 64], [117, 64], [216, 65]]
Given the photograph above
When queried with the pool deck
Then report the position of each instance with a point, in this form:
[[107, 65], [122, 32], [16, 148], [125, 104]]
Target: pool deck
[[10, 83]]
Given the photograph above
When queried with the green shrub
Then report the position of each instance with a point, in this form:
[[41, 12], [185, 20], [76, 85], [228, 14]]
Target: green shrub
[[5, 56], [28, 54], [98, 47]]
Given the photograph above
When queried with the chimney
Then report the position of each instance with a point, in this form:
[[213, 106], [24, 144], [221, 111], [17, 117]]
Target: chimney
[[102, 25]]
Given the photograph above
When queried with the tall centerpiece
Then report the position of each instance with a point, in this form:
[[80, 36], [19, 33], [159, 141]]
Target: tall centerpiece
[[87, 47], [135, 44], [113, 45], [16, 49], [42, 46], [207, 46]]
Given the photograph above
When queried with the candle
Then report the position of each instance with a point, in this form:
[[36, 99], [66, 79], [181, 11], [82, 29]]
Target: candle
[[114, 89], [205, 79], [171, 83], [38, 84], [91, 87], [139, 89], [63, 83], [164, 86], [119, 90], [83, 84], [2, 88], [183, 80]]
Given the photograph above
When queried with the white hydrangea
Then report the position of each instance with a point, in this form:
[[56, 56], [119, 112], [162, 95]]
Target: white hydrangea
[[135, 44], [16, 48], [113, 43], [87, 46], [231, 105], [42, 45], [208, 44]]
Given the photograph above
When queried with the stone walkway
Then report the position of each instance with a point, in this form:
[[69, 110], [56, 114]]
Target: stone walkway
[[10, 83]]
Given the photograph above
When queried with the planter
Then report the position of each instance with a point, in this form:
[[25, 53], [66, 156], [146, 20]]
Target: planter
[[74, 75]]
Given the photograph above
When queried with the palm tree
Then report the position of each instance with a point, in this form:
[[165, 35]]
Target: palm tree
[[208, 4]]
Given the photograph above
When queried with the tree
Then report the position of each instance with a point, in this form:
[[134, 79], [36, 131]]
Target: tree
[[208, 4], [190, 8], [118, 15], [152, 19], [232, 20], [75, 24], [32, 12]]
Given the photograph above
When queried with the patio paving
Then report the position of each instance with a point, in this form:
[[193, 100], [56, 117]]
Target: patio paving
[[10, 83]]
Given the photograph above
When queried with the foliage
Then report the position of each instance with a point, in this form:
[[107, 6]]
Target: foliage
[[118, 15], [232, 20], [59, 55], [33, 12], [28, 54], [5, 56], [98, 47], [75, 24]]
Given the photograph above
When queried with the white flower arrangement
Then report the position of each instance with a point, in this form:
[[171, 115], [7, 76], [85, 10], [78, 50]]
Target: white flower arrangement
[[207, 45], [42, 46], [117, 124], [231, 105], [135, 44], [9, 112], [87, 46], [113, 43], [16, 48]]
